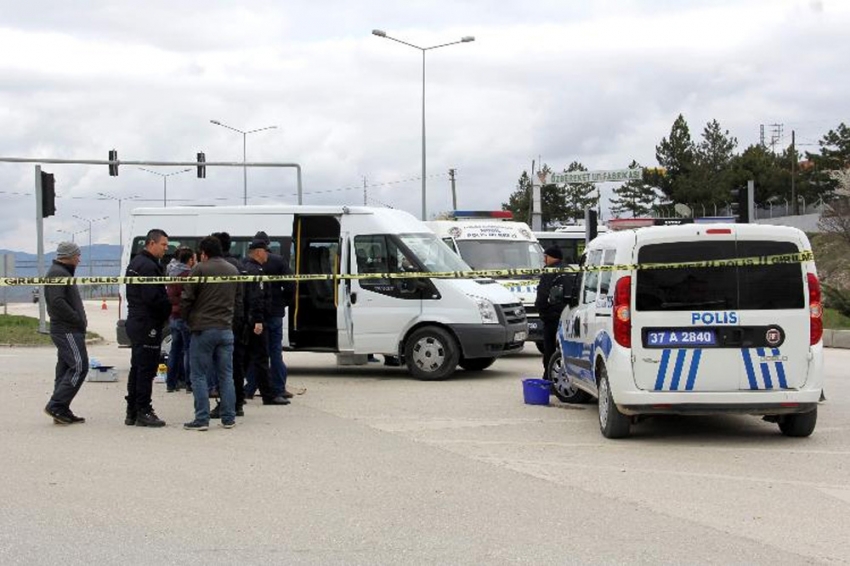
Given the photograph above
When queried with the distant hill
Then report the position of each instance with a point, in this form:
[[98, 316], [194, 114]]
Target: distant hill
[[105, 261]]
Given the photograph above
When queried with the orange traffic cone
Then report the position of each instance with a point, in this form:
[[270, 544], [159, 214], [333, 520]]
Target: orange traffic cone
[[103, 305]]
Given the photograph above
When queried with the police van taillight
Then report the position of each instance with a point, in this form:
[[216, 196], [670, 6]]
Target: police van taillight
[[815, 310], [623, 312]]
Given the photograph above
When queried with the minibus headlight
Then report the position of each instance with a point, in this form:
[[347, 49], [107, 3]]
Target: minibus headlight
[[486, 310]]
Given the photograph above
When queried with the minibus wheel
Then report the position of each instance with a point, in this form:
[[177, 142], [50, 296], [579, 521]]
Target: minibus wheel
[[562, 385], [799, 424], [476, 364], [431, 353], [612, 422]]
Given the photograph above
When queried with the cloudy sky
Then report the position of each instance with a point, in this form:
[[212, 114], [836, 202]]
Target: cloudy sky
[[598, 82]]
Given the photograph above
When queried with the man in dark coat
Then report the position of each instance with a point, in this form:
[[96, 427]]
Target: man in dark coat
[[257, 299], [550, 314], [68, 331], [148, 309], [281, 293]]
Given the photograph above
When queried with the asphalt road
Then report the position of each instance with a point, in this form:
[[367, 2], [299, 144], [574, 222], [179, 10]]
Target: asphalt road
[[372, 467]]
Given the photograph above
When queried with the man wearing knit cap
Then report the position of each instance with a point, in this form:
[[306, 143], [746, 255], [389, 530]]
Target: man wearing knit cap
[[550, 314], [68, 331]]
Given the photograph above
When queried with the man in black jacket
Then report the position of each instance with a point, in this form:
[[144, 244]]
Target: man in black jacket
[[148, 309], [257, 299], [550, 314], [68, 331], [280, 296]]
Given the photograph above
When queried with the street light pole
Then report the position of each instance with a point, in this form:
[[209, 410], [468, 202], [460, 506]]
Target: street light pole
[[165, 177], [120, 217], [72, 234], [90, 220], [465, 39], [244, 153]]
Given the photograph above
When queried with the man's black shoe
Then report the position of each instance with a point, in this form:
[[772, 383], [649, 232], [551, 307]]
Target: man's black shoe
[[149, 419], [170, 389], [276, 401], [240, 412], [216, 412], [75, 419], [59, 417], [130, 419], [196, 425]]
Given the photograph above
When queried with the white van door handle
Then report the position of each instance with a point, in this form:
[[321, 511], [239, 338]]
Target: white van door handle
[[353, 298]]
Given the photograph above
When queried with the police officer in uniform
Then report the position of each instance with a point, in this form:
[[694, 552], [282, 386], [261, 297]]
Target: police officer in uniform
[[550, 314], [148, 309], [257, 307]]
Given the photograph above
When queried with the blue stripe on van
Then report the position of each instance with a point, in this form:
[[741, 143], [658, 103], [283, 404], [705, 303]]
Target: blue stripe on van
[[748, 364], [780, 371], [765, 370], [677, 371], [662, 370], [692, 375]]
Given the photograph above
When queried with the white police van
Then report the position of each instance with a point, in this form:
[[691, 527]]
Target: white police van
[[695, 340], [433, 325]]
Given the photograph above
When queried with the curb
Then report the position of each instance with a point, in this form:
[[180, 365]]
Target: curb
[[836, 338]]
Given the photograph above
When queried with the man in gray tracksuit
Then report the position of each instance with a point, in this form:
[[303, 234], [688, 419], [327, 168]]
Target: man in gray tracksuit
[[68, 331]]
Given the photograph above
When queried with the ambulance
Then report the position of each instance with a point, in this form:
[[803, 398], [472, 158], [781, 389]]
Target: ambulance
[[432, 324], [645, 336], [492, 240]]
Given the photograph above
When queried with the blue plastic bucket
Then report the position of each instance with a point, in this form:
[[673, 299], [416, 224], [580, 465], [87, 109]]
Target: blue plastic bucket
[[536, 391]]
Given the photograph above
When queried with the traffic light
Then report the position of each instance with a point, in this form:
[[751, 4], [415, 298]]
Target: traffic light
[[113, 167], [202, 170], [741, 205], [48, 194]]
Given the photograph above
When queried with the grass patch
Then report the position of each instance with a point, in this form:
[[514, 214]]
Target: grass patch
[[23, 331], [835, 320]]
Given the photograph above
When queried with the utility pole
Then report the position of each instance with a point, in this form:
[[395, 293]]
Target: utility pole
[[794, 206], [364, 191], [454, 193]]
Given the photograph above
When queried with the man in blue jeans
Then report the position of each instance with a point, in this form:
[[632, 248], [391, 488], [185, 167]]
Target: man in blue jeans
[[281, 296], [178, 357], [208, 309]]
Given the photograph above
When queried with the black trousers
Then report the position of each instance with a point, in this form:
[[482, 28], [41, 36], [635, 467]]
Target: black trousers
[[240, 351], [144, 360], [257, 359], [72, 365], [550, 337]]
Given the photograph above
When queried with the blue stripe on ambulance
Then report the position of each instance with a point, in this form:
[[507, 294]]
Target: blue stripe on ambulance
[[678, 369], [764, 369]]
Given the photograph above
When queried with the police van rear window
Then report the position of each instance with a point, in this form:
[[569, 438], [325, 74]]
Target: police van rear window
[[765, 287]]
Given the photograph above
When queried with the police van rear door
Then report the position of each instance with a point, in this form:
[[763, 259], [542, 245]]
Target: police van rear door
[[682, 316], [727, 328], [774, 320]]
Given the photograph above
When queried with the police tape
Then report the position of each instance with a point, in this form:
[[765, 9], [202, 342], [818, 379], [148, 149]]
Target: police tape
[[780, 259]]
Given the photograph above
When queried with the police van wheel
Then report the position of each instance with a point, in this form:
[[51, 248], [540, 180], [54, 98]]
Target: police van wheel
[[476, 364], [799, 425], [612, 422], [562, 385], [431, 353]]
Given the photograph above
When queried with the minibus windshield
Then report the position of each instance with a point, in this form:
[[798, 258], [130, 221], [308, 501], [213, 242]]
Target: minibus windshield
[[432, 253]]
